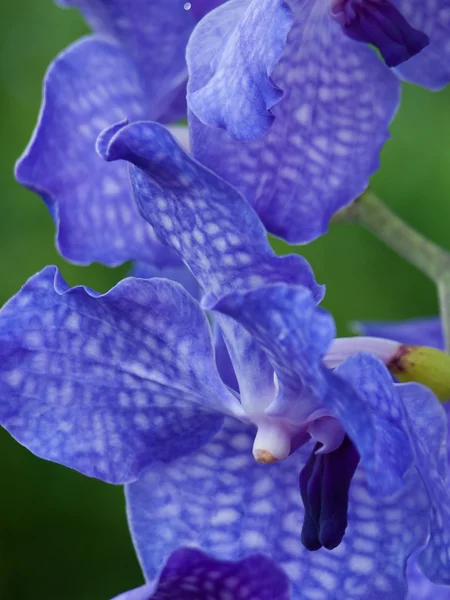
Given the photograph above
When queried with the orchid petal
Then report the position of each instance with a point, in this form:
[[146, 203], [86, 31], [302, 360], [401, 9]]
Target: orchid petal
[[429, 433], [86, 87], [371, 409], [236, 61], [190, 574], [108, 384], [209, 224], [153, 37], [222, 501]]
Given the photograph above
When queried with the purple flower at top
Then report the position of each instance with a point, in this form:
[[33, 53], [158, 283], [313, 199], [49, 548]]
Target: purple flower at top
[[133, 66], [323, 98], [190, 574], [124, 387]]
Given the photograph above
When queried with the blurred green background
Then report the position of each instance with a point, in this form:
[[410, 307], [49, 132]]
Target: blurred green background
[[62, 535]]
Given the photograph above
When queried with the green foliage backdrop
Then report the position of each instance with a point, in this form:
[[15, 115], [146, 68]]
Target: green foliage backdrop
[[63, 536]]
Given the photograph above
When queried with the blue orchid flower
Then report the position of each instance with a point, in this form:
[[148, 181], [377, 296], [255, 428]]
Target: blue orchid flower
[[325, 132], [132, 66], [190, 574], [124, 387], [241, 238], [141, 144]]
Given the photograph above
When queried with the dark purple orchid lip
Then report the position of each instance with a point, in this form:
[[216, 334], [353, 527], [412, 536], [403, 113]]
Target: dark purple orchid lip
[[380, 23], [324, 485]]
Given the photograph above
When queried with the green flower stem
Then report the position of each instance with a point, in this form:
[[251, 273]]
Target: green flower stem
[[370, 211], [444, 307]]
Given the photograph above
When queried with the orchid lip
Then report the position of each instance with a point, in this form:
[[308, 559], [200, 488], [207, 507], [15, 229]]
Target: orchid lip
[[324, 485], [380, 23]]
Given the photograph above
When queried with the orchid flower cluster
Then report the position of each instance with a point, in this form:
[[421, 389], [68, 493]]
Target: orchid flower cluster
[[263, 458]]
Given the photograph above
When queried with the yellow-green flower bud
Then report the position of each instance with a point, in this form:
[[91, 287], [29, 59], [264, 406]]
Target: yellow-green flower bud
[[424, 365]]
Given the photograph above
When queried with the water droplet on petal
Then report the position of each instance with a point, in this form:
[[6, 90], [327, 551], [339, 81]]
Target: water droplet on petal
[[187, 5]]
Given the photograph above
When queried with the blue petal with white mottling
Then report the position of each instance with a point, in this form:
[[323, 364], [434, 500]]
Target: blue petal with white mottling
[[190, 574], [153, 36], [201, 216], [241, 60], [429, 433], [328, 131], [88, 86], [419, 586], [221, 500], [107, 384], [371, 408], [183, 276], [135, 67], [431, 67], [425, 331]]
